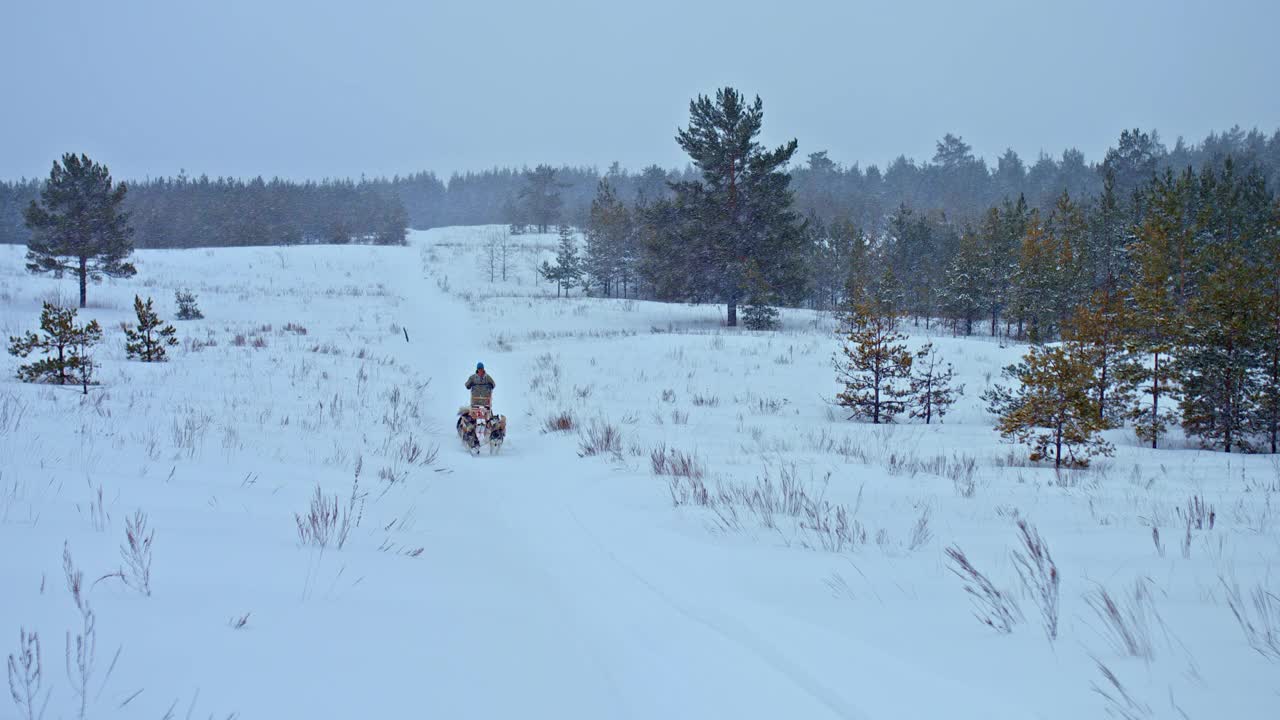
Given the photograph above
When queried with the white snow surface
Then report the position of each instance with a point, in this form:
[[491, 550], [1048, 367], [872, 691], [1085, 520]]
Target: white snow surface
[[538, 583]]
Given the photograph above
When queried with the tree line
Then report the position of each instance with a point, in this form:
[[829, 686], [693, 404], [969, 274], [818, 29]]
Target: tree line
[[186, 212], [954, 184]]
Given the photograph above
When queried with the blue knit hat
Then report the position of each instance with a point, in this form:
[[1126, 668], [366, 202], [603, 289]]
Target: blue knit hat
[[479, 366]]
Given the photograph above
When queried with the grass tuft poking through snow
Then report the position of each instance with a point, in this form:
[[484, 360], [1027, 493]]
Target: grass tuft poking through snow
[[326, 523], [1261, 624], [600, 438], [1127, 618], [1039, 575], [994, 607]]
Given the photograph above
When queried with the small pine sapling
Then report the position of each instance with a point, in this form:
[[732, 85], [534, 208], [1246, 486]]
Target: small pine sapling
[[873, 363], [932, 393], [64, 343], [760, 313], [1053, 409], [148, 340], [187, 308], [82, 363]]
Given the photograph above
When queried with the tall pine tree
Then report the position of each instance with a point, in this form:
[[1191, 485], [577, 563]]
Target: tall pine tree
[[78, 226], [738, 212]]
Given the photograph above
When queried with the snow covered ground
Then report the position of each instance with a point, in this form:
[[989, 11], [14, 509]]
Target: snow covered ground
[[796, 569]]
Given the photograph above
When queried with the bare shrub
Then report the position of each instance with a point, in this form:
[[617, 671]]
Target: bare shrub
[[259, 342], [1039, 575], [562, 421], [136, 553], [1126, 621], [240, 340], [297, 329], [679, 417], [689, 491], [668, 396], [600, 438], [26, 673], [676, 463], [993, 608], [1261, 626]]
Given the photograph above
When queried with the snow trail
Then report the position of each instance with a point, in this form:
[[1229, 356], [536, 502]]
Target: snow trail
[[568, 612]]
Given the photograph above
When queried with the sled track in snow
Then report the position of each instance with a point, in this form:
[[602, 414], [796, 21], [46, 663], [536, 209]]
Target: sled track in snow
[[739, 635]]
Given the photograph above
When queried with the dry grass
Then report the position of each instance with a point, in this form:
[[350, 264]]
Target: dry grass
[[600, 438], [993, 607], [675, 463], [327, 523], [562, 421], [1261, 623], [1039, 575], [1126, 619]]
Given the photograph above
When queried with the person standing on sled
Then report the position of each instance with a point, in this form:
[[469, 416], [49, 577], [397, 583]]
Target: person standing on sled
[[481, 385]]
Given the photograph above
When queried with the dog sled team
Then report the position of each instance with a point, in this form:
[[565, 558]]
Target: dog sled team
[[478, 426]]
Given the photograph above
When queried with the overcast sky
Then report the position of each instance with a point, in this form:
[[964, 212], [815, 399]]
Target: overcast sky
[[321, 88]]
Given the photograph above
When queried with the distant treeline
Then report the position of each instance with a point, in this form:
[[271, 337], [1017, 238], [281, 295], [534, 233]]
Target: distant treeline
[[191, 212], [199, 212]]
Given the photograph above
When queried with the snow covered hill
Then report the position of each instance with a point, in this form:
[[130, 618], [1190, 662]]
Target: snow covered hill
[[710, 538]]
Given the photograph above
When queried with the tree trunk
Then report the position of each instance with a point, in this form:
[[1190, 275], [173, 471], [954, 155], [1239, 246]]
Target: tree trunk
[[733, 313], [84, 281], [1155, 403], [1057, 442]]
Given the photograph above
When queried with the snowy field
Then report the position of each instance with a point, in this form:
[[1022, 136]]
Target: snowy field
[[729, 546]]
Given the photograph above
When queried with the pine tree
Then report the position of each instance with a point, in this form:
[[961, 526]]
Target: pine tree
[[1268, 420], [965, 295], [739, 211], [873, 363], [567, 271], [78, 225], [759, 314], [1108, 238], [932, 393], [82, 362], [1035, 282], [1099, 330], [187, 308], [1053, 409], [541, 196], [148, 340], [1220, 364], [1157, 319], [64, 343], [610, 256]]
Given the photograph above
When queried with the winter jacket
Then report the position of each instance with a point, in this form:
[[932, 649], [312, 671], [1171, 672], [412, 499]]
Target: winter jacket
[[481, 387]]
